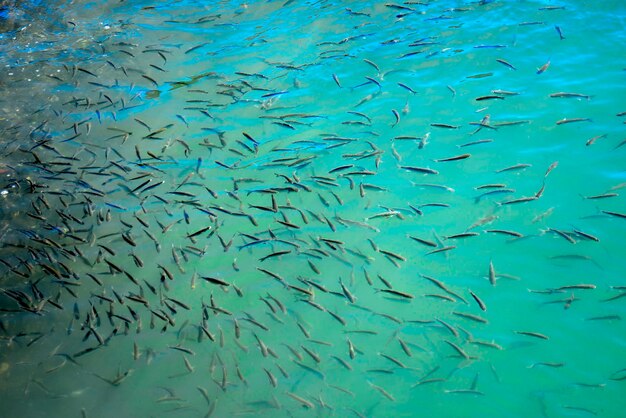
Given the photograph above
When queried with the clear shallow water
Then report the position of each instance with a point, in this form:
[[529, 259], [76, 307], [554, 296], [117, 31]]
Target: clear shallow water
[[99, 100]]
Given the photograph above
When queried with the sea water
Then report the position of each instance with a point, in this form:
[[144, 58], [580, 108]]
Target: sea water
[[278, 209]]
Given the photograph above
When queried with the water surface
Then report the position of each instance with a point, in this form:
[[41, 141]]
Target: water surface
[[312, 209]]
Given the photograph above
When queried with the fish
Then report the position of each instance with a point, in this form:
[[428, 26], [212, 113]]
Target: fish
[[464, 391], [397, 117], [481, 75], [423, 241], [477, 142], [567, 95], [406, 87], [336, 79], [550, 168], [306, 404], [543, 68], [382, 392], [454, 158], [483, 221], [576, 286], [442, 249], [470, 316], [275, 254], [562, 234], [458, 349], [449, 327], [462, 235], [215, 280], [592, 140], [374, 81], [572, 120], [518, 200], [347, 293], [396, 293], [615, 214], [492, 274], [281, 198], [272, 379], [488, 97], [444, 125], [559, 31], [423, 170], [601, 196], [514, 167], [506, 63], [480, 303], [586, 235], [505, 232], [365, 60], [533, 334]]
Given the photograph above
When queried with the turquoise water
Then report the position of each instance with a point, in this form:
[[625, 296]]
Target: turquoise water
[[207, 210]]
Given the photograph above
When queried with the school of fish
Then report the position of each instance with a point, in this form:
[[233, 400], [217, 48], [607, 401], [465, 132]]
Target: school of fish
[[293, 208]]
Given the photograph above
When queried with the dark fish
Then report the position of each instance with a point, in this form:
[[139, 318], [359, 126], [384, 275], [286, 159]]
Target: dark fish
[[396, 293], [215, 280], [423, 241], [489, 97], [533, 334], [560, 32], [444, 125], [518, 200], [396, 115], [616, 214], [455, 158], [404, 86], [336, 80], [480, 303], [505, 63]]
